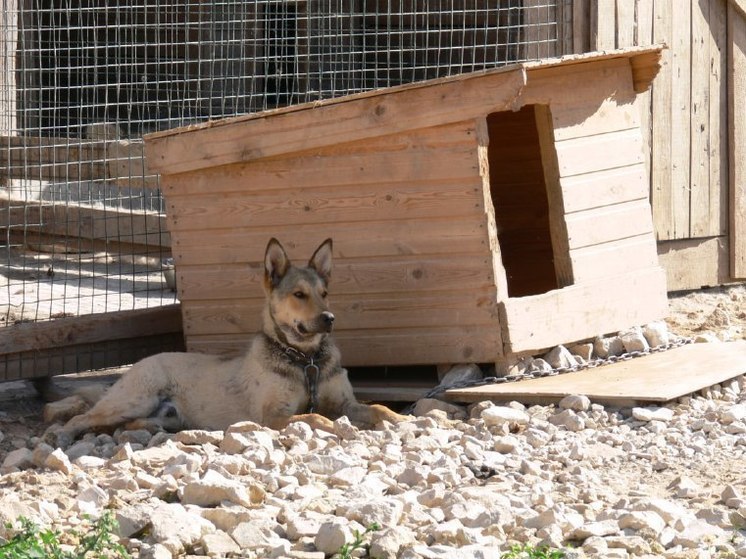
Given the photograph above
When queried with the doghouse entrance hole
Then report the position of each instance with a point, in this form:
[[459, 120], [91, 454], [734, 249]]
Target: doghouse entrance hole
[[527, 202]]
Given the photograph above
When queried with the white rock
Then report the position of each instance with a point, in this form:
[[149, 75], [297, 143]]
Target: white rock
[[696, 532], [92, 500], [214, 488], [199, 437], [560, 358], [733, 414], [656, 333], [382, 512], [58, 460], [465, 372], [584, 351], [684, 488], [300, 525], [568, 419], [251, 535], [219, 544], [601, 528], [539, 366], [639, 520], [606, 347], [11, 510], [653, 414], [503, 415], [506, 444], [633, 340], [575, 402], [387, 543], [18, 459], [156, 551], [425, 406], [332, 535], [174, 527]]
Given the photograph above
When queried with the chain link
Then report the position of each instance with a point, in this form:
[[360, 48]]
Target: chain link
[[592, 364]]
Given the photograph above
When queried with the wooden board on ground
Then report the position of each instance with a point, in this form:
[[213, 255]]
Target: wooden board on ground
[[656, 378]]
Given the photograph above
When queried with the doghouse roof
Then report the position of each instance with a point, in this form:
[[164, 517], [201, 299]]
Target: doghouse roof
[[370, 114]]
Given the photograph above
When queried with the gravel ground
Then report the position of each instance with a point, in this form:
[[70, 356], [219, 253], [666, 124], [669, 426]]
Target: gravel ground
[[633, 482]]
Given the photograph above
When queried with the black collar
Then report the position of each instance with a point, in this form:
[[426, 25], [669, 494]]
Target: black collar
[[310, 367]]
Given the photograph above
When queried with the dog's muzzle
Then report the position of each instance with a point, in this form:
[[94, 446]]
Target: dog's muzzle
[[327, 320]]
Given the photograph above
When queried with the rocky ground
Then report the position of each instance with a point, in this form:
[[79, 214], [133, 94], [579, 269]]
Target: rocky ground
[[455, 483]]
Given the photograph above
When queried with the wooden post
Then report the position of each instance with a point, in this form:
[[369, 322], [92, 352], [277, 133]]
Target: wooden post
[[8, 121], [737, 138]]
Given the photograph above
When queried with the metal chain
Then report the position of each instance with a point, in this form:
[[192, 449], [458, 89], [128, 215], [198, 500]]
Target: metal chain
[[528, 375]]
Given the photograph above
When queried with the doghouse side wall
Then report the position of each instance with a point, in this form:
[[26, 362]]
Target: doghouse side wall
[[603, 180], [412, 280]]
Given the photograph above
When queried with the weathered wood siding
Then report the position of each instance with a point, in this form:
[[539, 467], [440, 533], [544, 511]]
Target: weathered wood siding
[[695, 190], [414, 259]]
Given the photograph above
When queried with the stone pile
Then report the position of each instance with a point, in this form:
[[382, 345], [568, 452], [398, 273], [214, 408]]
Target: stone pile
[[462, 483]]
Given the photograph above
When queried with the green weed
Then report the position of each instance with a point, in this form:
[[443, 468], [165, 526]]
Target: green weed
[[31, 542], [345, 552], [529, 552]]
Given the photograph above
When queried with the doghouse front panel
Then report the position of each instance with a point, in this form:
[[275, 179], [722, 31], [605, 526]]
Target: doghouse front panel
[[603, 192], [412, 280]]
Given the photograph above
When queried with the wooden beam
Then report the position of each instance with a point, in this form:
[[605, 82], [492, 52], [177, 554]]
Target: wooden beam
[[737, 143], [739, 5], [52, 159], [94, 328], [86, 357], [572, 313], [86, 222], [119, 162], [311, 126]]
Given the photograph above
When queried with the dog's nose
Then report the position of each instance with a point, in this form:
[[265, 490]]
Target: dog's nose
[[327, 317]]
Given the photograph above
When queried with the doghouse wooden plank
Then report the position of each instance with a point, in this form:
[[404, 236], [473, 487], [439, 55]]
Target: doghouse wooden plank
[[588, 111], [659, 377], [605, 188], [321, 124], [431, 154], [385, 347], [436, 236], [404, 200], [601, 225], [582, 311], [557, 226], [596, 153], [610, 260], [451, 272], [353, 311]]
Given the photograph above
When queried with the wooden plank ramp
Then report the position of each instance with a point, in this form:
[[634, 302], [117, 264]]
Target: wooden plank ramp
[[655, 378]]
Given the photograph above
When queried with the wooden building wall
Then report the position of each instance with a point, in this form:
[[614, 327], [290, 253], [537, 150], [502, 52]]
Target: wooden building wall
[[692, 124]]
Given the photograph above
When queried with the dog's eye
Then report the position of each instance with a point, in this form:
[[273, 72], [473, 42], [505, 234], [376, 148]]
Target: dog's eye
[[324, 294], [299, 295]]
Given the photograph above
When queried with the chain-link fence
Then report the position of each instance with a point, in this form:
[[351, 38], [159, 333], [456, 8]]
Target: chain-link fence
[[82, 230]]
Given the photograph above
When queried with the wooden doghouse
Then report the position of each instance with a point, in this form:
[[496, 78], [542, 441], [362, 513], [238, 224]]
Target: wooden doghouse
[[474, 217]]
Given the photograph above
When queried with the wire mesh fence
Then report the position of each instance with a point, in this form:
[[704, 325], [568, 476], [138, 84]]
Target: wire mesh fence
[[82, 225]]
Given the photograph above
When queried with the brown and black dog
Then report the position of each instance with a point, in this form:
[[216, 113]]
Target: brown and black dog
[[290, 372]]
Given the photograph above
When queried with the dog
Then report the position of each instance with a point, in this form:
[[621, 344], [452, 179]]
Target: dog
[[291, 371]]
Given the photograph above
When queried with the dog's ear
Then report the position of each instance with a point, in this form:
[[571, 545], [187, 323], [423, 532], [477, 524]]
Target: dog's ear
[[321, 261], [276, 263]]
